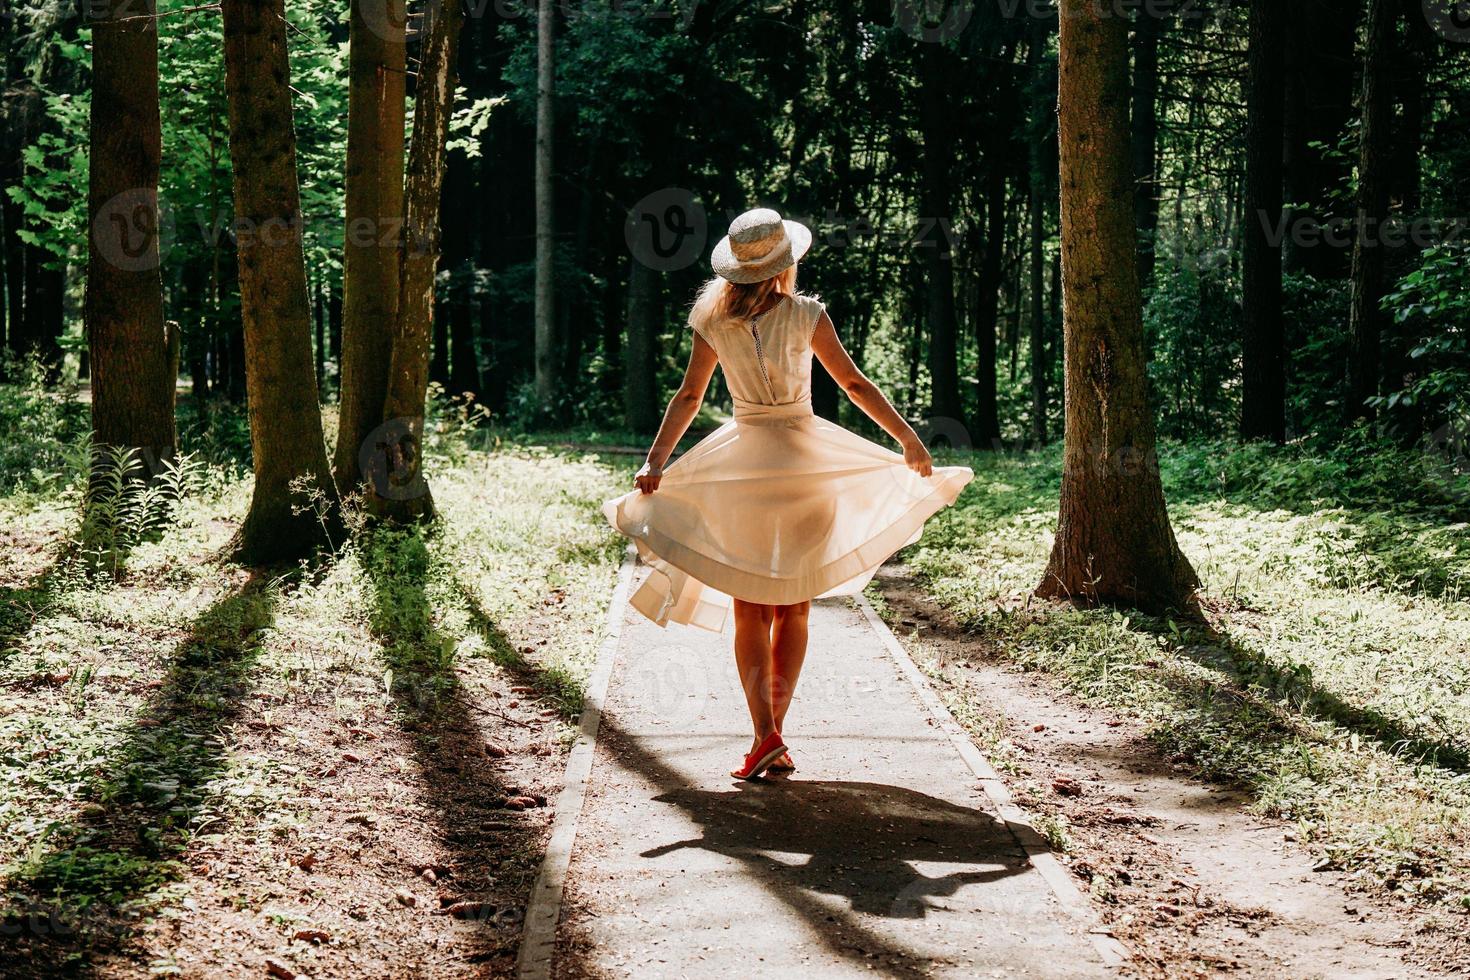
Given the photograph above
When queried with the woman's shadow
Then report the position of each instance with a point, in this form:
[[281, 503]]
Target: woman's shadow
[[859, 840]]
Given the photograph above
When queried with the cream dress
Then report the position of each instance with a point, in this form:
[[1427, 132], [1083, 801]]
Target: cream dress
[[777, 506]]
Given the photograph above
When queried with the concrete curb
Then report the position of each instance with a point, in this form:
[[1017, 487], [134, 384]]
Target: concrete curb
[[1068, 895], [543, 909]]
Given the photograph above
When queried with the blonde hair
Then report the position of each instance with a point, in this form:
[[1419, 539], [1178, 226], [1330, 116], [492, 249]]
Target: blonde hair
[[720, 301]]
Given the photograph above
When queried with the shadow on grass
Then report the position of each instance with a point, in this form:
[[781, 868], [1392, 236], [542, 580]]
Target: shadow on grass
[[1293, 689], [87, 883]]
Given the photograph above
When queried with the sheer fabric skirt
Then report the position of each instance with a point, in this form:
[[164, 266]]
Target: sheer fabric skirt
[[776, 507]]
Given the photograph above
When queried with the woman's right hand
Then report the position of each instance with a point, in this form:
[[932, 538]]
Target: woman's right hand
[[916, 457], [649, 477]]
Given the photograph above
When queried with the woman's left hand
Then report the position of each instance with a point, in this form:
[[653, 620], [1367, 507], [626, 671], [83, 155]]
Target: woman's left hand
[[649, 477]]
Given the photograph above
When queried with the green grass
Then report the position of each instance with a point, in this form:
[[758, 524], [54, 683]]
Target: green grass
[[1332, 678], [126, 674]]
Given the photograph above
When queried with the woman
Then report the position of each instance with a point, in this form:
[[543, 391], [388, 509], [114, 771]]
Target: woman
[[777, 507]]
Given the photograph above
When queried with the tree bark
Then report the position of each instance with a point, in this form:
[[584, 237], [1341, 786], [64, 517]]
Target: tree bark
[[935, 109], [1145, 137], [1037, 299], [132, 389], [1319, 106], [987, 319], [1375, 170], [285, 418], [1262, 342], [1114, 542], [373, 240], [400, 491], [640, 379], [545, 313]]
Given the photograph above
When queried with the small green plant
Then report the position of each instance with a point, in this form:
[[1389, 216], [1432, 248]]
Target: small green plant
[[126, 506]]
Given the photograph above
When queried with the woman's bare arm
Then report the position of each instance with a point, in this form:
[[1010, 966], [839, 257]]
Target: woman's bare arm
[[866, 396], [681, 411]]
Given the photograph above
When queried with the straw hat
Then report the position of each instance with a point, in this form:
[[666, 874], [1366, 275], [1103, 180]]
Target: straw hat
[[760, 245]]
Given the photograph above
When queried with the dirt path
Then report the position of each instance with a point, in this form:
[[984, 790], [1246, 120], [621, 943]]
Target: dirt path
[[881, 854], [1191, 880]]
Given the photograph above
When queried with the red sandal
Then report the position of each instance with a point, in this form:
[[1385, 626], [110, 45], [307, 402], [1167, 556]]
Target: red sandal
[[770, 749]]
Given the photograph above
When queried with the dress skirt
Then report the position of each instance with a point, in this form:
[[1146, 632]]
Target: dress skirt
[[777, 506]]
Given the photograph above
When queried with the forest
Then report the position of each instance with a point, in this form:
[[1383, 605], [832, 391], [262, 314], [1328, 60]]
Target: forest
[[328, 328]]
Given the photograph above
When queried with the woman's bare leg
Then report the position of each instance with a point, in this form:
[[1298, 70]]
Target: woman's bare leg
[[788, 652], [753, 661]]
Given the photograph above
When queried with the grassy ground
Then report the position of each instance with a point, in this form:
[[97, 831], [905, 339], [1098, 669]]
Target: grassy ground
[[182, 740], [1332, 679]]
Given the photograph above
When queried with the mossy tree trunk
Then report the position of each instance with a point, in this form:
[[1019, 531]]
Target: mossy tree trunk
[[285, 419], [400, 491], [370, 258], [1114, 542], [132, 383]]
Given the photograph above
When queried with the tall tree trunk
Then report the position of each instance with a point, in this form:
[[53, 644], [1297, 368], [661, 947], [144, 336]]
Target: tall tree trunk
[[987, 319], [1037, 297], [400, 491], [1145, 136], [640, 379], [319, 323], [1375, 171], [371, 253], [1319, 103], [545, 356], [1262, 343], [285, 418], [132, 389], [458, 307], [45, 309], [12, 212], [944, 373], [461, 225], [1114, 542], [1041, 139]]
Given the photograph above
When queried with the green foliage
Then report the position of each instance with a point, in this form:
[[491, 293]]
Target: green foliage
[[125, 506], [44, 449], [1431, 315], [1330, 680], [1316, 323], [1194, 351]]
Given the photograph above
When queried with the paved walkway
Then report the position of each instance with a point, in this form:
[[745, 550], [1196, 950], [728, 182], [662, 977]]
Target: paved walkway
[[882, 854]]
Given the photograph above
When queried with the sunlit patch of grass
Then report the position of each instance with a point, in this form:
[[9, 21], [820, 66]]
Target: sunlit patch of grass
[[1331, 678], [122, 696]]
